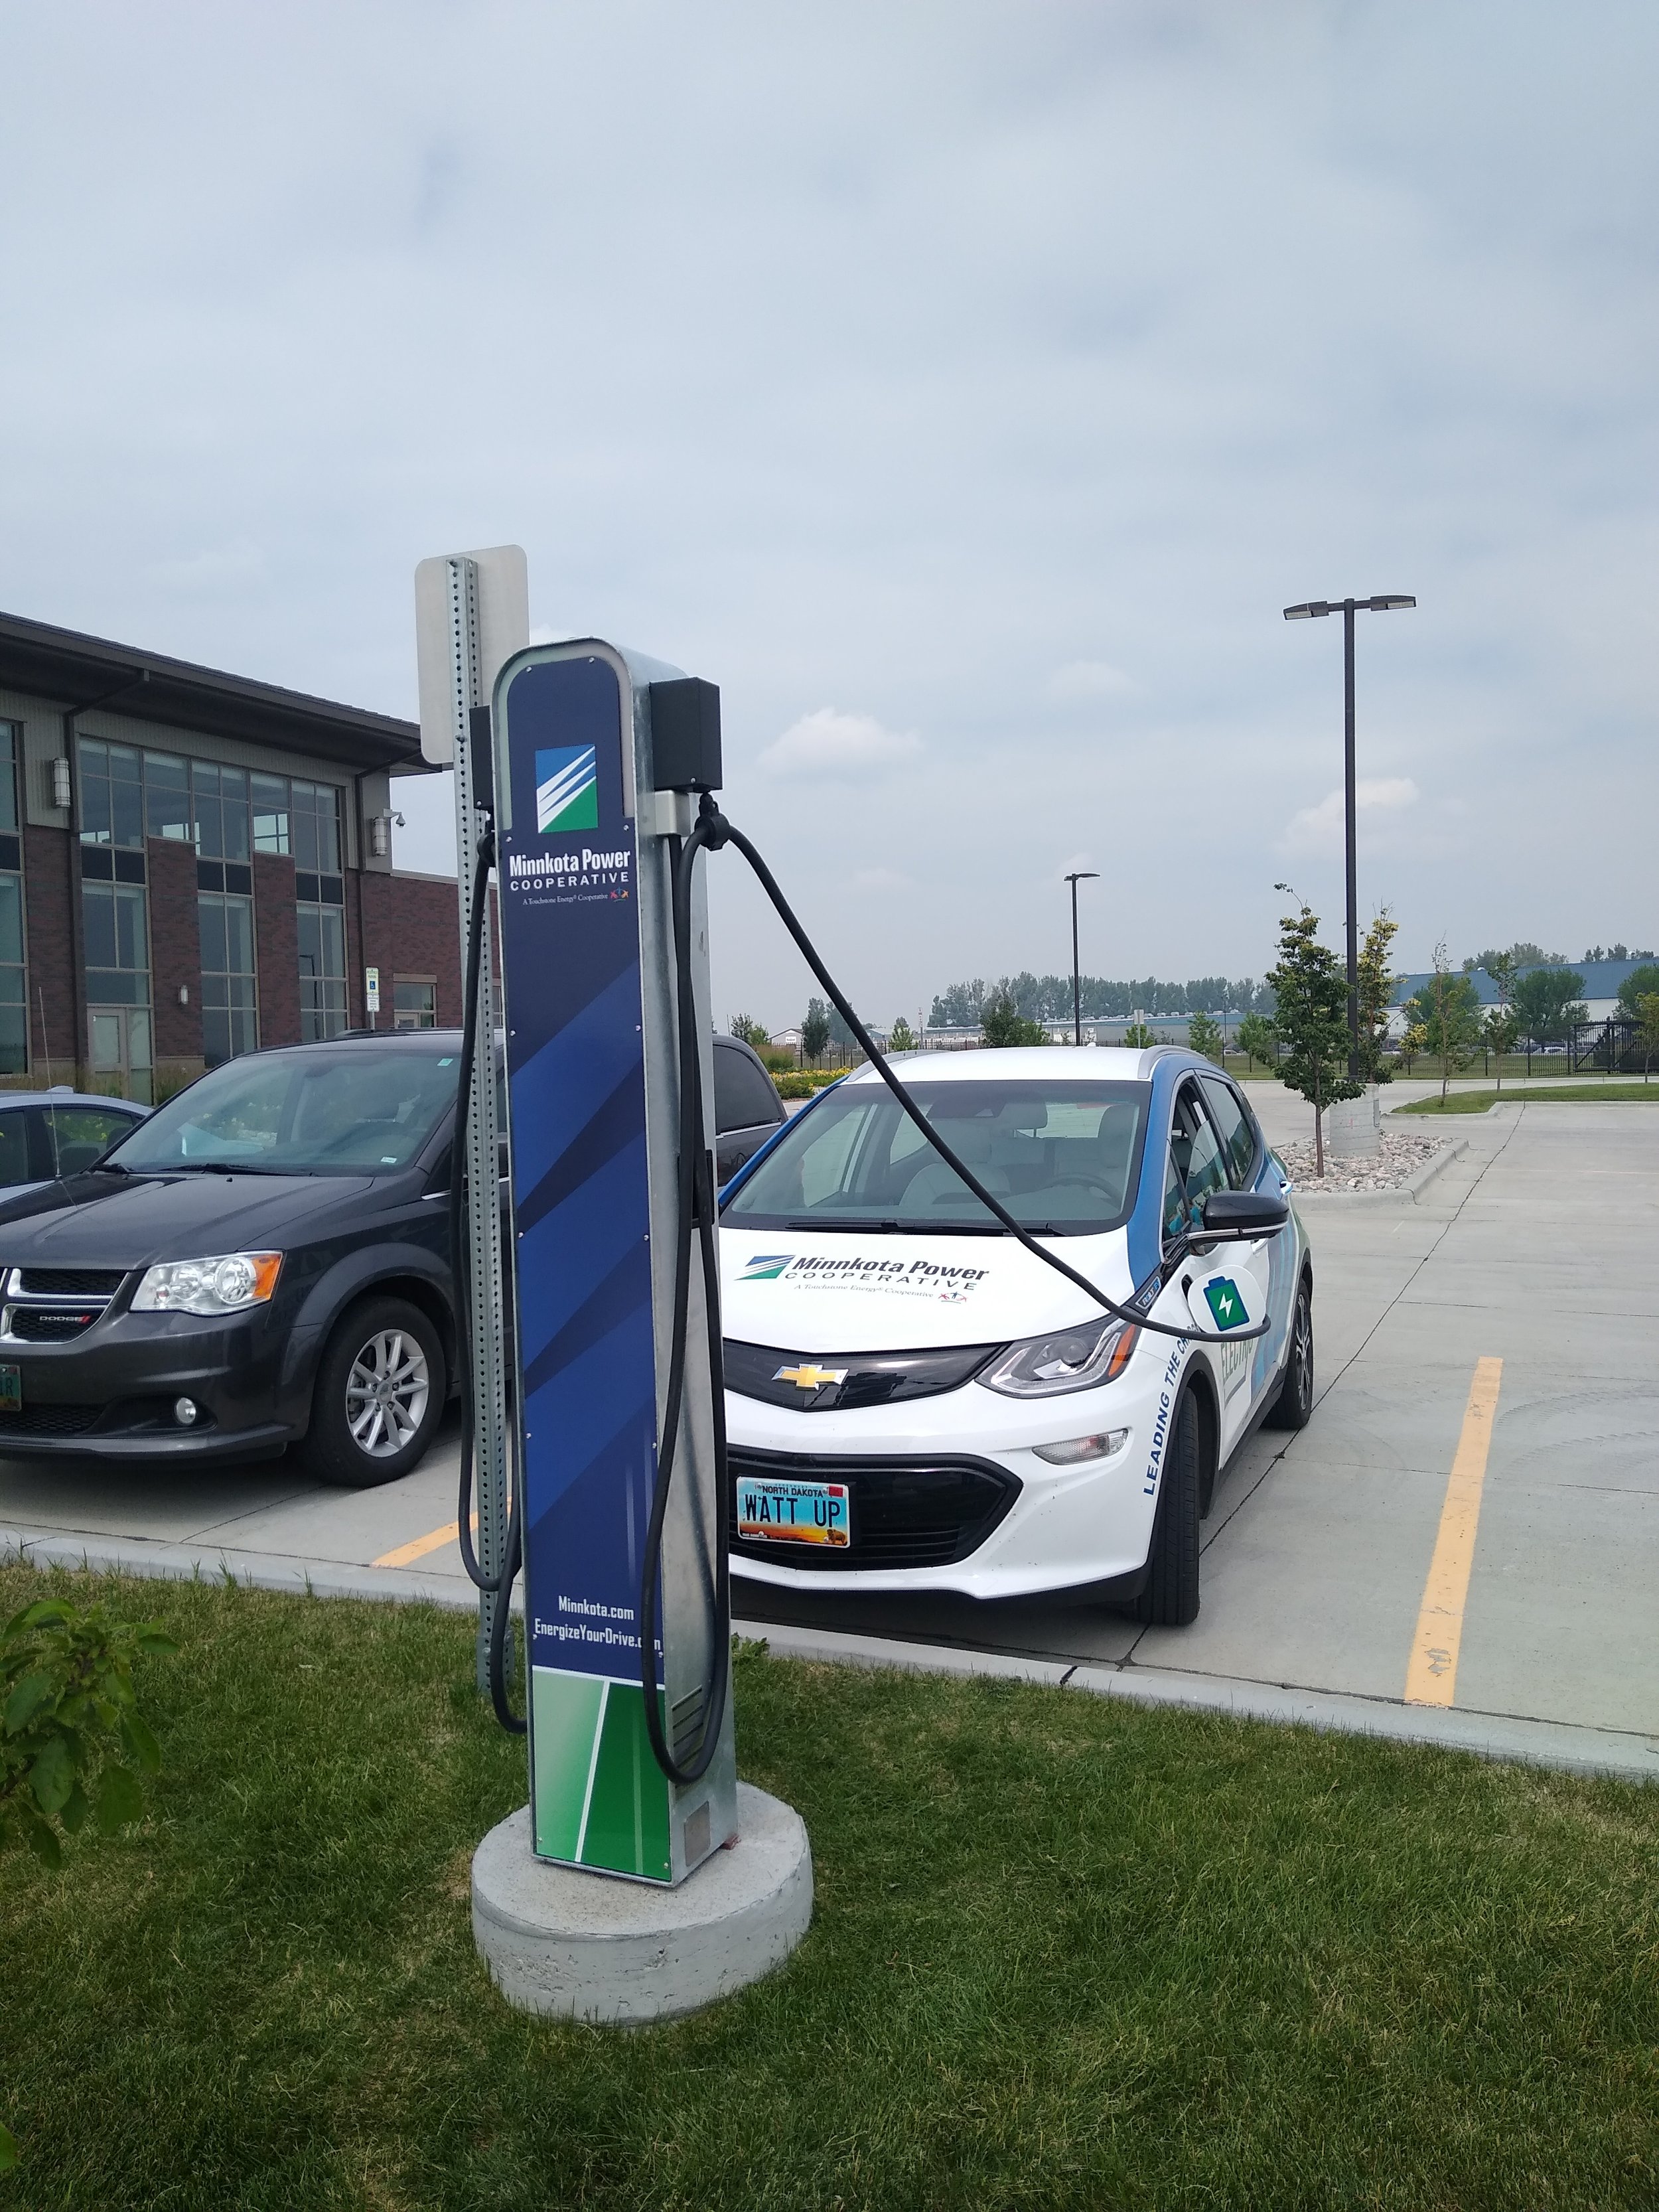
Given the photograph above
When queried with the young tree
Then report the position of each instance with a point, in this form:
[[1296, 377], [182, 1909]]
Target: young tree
[[1256, 1037], [1311, 1019], [1138, 1037], [749, 1031], [814, 1030], [1377, 990], [1001, 1023], [1204, 1036], [1502, 1026], [901, 1038], [1647, 1029], [1446, 1010]]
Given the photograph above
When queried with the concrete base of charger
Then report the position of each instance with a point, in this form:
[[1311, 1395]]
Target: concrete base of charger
[[589, 1946]]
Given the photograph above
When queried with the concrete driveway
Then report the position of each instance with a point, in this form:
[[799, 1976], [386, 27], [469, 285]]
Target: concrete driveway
[[1463, 1544]]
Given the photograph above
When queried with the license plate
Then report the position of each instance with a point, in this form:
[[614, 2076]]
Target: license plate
[[782, 1512], [11, 1390]]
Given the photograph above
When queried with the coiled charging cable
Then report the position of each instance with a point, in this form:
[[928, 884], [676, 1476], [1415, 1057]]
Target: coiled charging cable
[[499, 1585]]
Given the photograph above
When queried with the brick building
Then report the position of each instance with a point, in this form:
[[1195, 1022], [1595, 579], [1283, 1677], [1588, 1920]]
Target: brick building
[[192, 864]]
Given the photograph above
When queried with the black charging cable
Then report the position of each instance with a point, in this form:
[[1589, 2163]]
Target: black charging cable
[[1148, 1290], [499, 1585]]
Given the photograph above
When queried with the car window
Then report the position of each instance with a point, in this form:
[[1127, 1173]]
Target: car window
[[75, 1135], [743, 1094], [309, 1111], [1061, 1156], [1196, 1164], [1238, 1133], [15, 1146]]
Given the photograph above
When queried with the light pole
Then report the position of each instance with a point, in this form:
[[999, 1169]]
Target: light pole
[[1078, 875], [1347, 608]]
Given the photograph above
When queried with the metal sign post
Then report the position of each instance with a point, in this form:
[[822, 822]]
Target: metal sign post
[[471, 612]]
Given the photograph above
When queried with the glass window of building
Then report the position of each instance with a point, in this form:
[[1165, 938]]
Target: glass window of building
[[166, 797], [221, 799], [316, 827], [414, 1002], [118, 945], [14, 992], [111, 794], [322, 971], [270, 813], [230, 1021]]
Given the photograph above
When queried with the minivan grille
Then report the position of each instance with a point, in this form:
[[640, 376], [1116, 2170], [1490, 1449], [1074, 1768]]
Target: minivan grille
[[49, 1421], [69, 1282]]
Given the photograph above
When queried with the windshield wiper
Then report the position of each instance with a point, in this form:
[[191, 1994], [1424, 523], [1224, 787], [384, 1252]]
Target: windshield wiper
[[218, 1167], [989, 1227]]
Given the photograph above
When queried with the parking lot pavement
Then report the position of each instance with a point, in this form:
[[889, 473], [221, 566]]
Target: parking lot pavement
[[1537, 1249]]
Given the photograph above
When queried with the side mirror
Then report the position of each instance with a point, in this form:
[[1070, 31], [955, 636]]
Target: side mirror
[[1242, 1214]]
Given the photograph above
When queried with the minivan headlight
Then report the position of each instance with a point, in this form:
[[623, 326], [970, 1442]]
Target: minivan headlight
[[229, 1283], [1066, 1359]]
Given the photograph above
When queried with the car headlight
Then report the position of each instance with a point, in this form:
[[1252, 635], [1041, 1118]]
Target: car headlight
[[229, 1283], [1067, 1359]]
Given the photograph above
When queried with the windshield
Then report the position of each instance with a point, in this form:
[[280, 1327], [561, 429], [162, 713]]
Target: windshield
[[1060, 1157], [350, 1112]]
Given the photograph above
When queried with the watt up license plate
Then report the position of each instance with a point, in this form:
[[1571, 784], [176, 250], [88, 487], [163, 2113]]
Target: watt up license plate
[[776, 1511], [11, 1390]]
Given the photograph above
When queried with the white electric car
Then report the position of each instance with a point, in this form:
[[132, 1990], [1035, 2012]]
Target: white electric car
[[916, 1401]]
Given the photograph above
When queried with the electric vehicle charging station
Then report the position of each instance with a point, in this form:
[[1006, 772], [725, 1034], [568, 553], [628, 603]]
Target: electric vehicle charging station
[[595, 752]]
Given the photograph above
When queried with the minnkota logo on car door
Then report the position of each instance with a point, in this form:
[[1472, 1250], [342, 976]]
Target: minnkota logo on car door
[[566, 789]]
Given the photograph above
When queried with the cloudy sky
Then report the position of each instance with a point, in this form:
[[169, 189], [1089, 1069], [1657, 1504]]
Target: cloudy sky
[[964, 388]]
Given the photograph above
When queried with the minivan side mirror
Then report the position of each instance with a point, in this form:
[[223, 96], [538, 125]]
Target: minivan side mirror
[[1241, 1214]]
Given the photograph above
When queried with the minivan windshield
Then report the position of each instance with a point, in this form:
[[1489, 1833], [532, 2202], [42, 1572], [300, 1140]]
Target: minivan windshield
[[356, 1110], [1062, 1156]]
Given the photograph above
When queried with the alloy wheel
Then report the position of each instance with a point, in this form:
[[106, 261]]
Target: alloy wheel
[[386, 1392]]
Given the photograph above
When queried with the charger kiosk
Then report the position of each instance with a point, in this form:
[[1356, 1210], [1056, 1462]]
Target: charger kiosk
[[596, 753]]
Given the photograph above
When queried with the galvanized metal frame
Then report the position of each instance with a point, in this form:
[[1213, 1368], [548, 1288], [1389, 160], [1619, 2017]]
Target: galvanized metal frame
[[479, 1280]]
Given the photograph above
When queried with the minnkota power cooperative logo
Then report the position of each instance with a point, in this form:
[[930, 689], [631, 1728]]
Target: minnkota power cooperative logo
[[566, 789]]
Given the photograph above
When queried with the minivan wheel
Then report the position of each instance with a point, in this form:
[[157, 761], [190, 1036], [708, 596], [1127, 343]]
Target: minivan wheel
[[1170, 1597], [380, 1396]]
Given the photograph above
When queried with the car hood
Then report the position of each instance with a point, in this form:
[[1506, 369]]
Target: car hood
[[122, 1221], [805, 1292]]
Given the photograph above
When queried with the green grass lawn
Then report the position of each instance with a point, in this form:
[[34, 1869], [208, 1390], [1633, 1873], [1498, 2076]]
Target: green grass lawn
[[1065, 1954], [1560, 1094]]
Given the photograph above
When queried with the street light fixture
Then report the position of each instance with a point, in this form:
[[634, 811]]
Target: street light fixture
[[1384, 603], [1078, 875]]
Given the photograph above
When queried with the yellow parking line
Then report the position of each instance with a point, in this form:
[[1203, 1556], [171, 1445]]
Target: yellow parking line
[[1432, 1673], [433, 1541]]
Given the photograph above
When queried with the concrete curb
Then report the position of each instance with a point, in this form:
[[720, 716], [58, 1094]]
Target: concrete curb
[[1574, 1749], [1405, 1194], [271, 1571]]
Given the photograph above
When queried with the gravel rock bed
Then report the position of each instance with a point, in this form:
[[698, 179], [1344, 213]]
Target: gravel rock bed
[[1400, 1159]]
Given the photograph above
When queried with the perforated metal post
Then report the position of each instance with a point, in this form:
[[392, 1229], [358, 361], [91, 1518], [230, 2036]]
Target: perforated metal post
[[478, 1270]]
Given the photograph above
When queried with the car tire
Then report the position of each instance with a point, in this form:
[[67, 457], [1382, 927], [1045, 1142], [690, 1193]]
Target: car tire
[[381, 1393], [1294, 1404], [1170, 1599]]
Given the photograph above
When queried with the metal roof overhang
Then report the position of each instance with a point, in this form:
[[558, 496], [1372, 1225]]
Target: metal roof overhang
[[72, 671]]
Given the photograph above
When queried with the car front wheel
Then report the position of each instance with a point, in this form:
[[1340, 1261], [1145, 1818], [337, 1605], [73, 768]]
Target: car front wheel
[[1170, 1597], [380, 1396]]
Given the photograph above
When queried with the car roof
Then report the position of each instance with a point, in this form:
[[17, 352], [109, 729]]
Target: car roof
[[1068, 1063], [61, 1095]]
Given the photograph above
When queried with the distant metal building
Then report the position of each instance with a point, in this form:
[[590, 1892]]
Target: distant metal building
[[192, 864]]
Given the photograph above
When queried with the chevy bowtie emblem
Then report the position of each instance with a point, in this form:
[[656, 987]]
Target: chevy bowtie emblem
[[810, 1378]]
